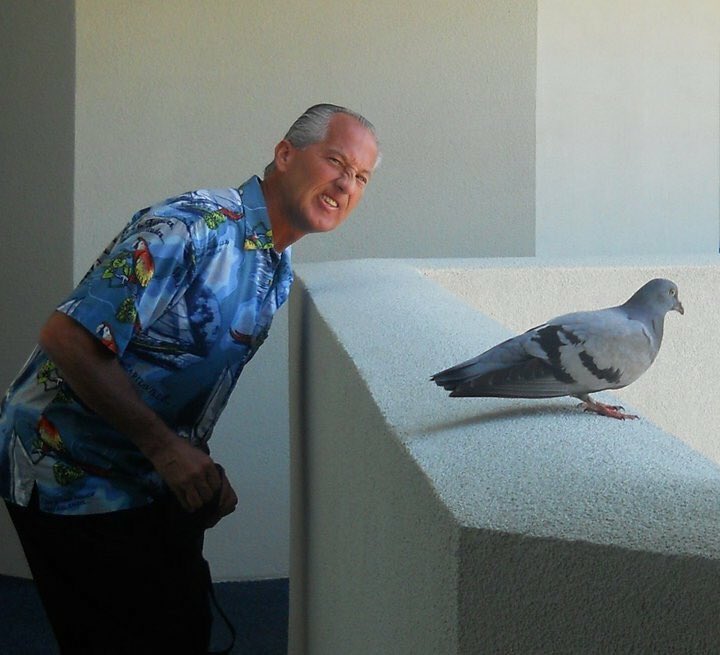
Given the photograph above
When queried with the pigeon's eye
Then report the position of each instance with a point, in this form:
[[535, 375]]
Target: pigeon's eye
[[672, 292]]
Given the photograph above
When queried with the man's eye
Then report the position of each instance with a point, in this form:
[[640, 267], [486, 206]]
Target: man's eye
[[362, 179]]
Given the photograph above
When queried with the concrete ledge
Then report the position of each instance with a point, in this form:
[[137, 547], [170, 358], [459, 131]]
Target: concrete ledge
[[423, 524]]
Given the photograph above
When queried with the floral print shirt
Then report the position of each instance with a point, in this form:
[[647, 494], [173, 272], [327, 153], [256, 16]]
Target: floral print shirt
[[184, 296]]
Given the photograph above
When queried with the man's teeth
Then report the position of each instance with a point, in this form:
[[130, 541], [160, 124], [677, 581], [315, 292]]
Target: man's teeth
[[330, 201]]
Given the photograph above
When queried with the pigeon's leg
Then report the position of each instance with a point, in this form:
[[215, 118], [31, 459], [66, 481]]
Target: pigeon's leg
[[613, 411]]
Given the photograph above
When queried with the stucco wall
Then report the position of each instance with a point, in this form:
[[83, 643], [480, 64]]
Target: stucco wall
[[514, 525], [348, 470]]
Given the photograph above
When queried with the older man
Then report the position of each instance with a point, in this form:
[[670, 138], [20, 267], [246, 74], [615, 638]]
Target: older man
[[104, 461]]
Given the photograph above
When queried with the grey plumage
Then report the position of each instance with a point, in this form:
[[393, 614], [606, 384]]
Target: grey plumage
[[574, 354]]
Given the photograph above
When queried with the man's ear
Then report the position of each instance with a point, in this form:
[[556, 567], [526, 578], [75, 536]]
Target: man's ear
[[283, 154]]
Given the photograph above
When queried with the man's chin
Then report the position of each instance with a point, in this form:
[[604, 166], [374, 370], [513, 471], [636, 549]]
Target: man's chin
[[327, 224]]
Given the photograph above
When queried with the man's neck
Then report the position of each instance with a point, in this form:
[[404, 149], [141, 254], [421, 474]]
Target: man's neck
[[283, 235]]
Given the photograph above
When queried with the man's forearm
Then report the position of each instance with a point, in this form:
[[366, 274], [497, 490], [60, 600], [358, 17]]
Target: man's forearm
[[97, 378]]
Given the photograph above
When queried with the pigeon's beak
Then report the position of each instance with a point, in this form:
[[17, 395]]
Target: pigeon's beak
[[678, 306]]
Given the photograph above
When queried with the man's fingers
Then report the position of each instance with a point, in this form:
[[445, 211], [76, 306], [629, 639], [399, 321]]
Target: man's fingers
[[192, 500], [228, 500], [203, 492], [195, 494], [214, 476], [191, 474]]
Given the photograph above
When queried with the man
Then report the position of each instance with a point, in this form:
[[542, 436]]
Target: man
[[103, 436]]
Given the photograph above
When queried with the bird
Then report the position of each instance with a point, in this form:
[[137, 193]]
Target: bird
[[143, 264], [574, 354], [104, 332], [50, 438]]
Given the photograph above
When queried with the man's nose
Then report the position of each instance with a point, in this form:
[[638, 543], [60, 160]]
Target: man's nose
[[346, 181]]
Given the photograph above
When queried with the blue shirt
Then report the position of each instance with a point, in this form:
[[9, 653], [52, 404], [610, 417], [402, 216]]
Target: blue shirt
[[184, 296]]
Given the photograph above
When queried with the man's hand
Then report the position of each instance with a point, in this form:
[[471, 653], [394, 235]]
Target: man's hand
[[191, 475], [226, 502]]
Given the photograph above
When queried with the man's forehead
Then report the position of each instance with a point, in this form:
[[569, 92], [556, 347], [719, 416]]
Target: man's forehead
[[352, 140]]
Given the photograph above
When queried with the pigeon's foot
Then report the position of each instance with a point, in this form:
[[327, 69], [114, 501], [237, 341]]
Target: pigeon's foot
[[613, 411]]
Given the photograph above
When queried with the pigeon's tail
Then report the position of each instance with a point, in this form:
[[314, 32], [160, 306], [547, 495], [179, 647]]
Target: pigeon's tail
[[451, 378], [505, 356], [531, 378]]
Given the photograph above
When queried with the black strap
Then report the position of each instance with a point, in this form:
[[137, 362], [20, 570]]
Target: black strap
[[225, 651], [228, 623]]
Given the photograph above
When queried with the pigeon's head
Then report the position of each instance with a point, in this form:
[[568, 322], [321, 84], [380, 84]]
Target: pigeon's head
[[658, 295]]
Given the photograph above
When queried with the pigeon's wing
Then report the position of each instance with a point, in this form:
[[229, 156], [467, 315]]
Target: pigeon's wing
[[571, 354], [514, 368], [603, 349]]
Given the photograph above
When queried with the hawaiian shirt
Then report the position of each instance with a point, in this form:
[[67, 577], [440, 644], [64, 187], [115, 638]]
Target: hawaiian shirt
[[184, 296]]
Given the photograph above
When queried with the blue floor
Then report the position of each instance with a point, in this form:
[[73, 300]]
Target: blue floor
[[258, 610]]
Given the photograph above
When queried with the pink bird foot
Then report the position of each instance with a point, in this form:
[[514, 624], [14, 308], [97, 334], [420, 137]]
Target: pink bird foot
[[613, 411]]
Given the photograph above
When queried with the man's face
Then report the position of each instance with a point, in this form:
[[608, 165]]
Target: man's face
[[324, 182]]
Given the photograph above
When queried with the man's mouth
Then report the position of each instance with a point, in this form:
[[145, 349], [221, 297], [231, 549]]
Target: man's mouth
[[329, 201]]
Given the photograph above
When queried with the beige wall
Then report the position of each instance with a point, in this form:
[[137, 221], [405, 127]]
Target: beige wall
[[628, 127], [172, 96], [175, 95]]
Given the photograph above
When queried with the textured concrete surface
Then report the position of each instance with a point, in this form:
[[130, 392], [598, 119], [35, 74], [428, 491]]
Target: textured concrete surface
[[675, 392], [512, 525]]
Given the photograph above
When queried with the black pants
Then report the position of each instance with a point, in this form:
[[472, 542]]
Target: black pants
[[129, 582]]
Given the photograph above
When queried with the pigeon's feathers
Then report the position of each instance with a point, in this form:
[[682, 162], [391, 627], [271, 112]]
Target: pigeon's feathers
[[571, 355]]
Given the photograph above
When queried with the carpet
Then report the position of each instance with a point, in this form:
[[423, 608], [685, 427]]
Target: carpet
[[258, 609]]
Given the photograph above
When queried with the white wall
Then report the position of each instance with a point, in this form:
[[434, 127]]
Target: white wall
[[628, 125]]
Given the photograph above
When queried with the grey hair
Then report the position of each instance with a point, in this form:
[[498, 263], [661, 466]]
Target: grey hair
[[312, 127]]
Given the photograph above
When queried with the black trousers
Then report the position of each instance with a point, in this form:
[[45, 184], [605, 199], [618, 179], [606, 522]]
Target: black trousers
[[125, 583]]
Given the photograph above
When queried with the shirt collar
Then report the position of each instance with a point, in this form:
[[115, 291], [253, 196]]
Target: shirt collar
[[258, 232]]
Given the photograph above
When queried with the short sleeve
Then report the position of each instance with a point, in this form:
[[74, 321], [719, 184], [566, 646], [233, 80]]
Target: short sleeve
[[144, 271]]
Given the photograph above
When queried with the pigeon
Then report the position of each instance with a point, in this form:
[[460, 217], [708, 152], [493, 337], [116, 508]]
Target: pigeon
[[574, 354]]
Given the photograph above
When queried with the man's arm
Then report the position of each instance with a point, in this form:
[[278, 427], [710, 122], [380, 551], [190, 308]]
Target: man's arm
[[96, 376]]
